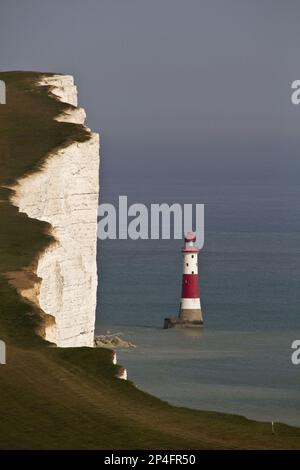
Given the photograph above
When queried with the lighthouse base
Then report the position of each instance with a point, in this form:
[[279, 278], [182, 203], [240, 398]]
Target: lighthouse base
[[190, 314], [177, 322]]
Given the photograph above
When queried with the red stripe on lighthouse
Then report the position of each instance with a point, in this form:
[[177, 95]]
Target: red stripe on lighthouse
[[190, 286]]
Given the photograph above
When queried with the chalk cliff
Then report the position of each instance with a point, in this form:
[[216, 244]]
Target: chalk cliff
[[64, 193]]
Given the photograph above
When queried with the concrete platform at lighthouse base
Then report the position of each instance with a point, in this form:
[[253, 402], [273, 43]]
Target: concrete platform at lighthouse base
[[177, 322]]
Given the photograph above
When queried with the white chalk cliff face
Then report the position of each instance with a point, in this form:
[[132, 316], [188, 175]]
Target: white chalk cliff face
[[65, 194]]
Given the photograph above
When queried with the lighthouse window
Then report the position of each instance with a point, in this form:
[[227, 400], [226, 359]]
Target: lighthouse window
[[192, 272], [187, 264], [192, 256]]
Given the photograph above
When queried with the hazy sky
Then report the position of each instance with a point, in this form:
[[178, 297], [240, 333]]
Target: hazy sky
[[171, 71], [164, 66]]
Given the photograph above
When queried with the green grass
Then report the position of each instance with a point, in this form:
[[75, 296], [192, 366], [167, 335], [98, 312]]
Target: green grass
[[54, 398]]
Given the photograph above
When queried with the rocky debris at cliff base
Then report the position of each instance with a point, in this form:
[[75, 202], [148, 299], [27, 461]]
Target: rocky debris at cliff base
[[112, 342]]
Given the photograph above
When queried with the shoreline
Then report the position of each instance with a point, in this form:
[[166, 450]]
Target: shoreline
[[152, 367]]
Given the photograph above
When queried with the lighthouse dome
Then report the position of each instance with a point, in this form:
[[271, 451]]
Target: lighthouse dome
[[190, 237]]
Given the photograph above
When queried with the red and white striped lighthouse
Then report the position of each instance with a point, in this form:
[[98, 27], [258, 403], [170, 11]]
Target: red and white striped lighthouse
[[190, 306], [190, 313]]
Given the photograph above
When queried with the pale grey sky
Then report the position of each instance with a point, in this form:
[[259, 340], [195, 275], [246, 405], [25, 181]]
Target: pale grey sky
[[172, 79], [164, 66]]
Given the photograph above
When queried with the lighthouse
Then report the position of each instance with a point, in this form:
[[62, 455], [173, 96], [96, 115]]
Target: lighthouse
[[190, 313]]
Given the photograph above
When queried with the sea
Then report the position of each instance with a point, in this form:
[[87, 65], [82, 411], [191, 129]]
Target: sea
[[249, 276]]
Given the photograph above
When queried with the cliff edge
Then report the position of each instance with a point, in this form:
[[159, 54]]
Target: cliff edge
[[50, 174], [65, 193]]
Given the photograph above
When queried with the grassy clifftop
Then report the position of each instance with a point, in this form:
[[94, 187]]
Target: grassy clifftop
[[55, 398]]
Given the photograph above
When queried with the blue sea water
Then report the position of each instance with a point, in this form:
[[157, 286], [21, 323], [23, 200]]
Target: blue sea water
[[249, 270]]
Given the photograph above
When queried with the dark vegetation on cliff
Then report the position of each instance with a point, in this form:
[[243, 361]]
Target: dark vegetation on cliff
[[54, 398]]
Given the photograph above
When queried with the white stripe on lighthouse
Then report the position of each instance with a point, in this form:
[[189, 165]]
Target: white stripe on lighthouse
[[190, 263], [190, 304]]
